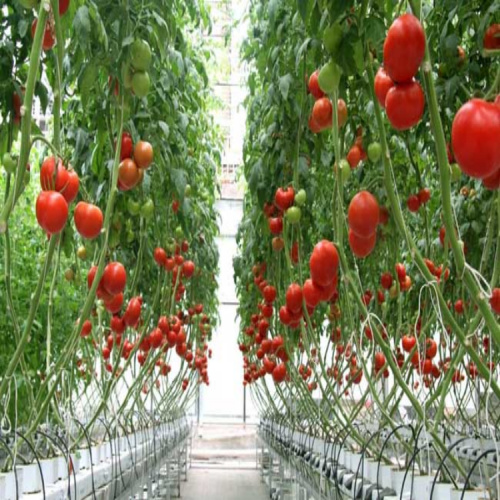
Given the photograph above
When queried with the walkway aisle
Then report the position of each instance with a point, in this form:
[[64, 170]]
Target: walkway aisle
[[223, 484]]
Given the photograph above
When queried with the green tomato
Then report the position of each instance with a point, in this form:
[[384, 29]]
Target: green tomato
[[81, 253], [127, 76], [147, 210], [301, 198], [179, 233], [374, 152], [134, 207], [140, 55], [329, 77], [69, 274], [332, 37], [9, 163], [187, 191], [456, 172], [345, 170], [130, 236], [293, 215], [141, 83]]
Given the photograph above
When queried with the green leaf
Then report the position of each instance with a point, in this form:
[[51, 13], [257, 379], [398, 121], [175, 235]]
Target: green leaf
[[284, 85], [165, 129], [303, 7], [81, 25]]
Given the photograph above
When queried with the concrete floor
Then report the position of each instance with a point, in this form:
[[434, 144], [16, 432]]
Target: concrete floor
[[220, 484]]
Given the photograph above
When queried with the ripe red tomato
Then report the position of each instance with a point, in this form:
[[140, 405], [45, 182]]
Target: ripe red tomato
[[383, 83], [430, 348], [408, 342], [86, 329], [51, 211], [404, 48], [362, 247], [413, 203], [160, 256], [313, 86], [70, 191], [188, 268], [48, 36], [143, 154], [459, 306], [114, 278], [495, 300], [379, 361], [324, 263], [279, 373], [363, 214], [47, 175], [424, 195], [322, 112], [294, 298], [155, 338], [405, 105], [313, 126], [269, 294], [401, 272], [493, 181], [127, 146], [128, 174], [275, 225], [354, 156], [386, 280], [312, 293], [284, 198], [114, 304], [491, 39], [117, 325], [88, 220], [474, 136], [63, 7]]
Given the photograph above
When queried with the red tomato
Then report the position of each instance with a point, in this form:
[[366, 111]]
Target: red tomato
[[188, 268], [48, 36], [88, 220], [341, 113], [386, 280], [404, 48], [379, 361], [155, 338], [114, 278], [86, 329], [313, 86], [128, 174], [493, 181], [430, 348], [408, 342], [312, 293], [160, 256], [294, 298], [63, 7], [269, 294], [495, 300], [71, 189], [474, 136], [275, 225], [424, 195], [47, 174], [313, 126], [354, 156], [127, 146], [51, 211], [283, 198], [279, 373], [324, 263], [322, 112], [413, 203], [383, 83], [114, 305], [404, 105], [117, 325], [362, 247], [491, 39], [143, 154], [363, 214]]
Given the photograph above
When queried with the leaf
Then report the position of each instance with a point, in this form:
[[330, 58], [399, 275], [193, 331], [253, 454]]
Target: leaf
[[81, 25], [179, 178], [300, 52], [303, 7], [42, 93], [128, 41], [165, 129], [284, 85]]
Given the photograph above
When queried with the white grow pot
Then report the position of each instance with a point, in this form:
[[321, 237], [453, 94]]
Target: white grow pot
[[62, 468], [32, 480], [456, 494], [441, 491], [8, 484]]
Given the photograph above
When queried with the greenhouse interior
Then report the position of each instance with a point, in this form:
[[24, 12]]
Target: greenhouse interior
[[249, 249]]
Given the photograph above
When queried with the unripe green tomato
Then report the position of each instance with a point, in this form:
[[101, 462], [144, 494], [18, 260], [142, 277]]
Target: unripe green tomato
[[147, 210], [130, 236], [133, 206], [170, 247], [187, 191], [141, 83], [81, 253], [140, 55], [69, 275], [332, 37], [393, 291], [456, 172], [329, 77], [301, 198], [374, 152], [293, 215], [9, 163], [179, 233], [345, 170]]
